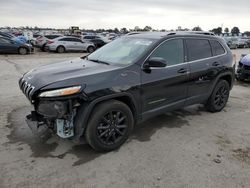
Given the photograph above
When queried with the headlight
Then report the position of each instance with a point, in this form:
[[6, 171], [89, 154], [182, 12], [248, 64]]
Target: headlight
[[61, 92]]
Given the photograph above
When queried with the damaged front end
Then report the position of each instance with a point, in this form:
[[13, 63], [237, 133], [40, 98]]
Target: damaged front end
[[54, 110], [53, 117], [243, 70]]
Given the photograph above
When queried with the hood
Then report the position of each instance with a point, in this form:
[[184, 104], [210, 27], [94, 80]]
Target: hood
[[246, 60], [67, 73]]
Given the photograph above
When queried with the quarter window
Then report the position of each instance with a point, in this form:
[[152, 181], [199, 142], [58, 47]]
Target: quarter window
[[198, 49], [217, 48], [172, 51]]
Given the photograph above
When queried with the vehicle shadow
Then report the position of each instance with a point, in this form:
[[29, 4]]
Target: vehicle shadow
[[20, 134], [176, 119]]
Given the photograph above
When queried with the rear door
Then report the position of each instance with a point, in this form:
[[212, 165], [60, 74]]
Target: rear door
[[165, 88], [67, 43], [199, 56], [78, 44]]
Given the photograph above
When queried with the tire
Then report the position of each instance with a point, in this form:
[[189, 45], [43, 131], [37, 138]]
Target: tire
[[90, 49], [60, 49], [109, 126], [23, 51], [218, 100], [43, 48]]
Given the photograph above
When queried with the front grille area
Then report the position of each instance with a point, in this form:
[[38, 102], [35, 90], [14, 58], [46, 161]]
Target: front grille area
[[26, 88]]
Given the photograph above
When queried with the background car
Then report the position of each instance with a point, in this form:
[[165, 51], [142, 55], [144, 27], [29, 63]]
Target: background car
[[243, 71], [42, 40], [247, 41], [98, 41], [10, 46], [19, 39], [64, 44], [242, 43], [232, 44], [89, 37], [33, 39]]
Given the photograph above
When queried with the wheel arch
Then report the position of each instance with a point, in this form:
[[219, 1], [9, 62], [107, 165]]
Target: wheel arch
[[22, 47], [91, 46], [228, 78], [87, 108], [60, 46]]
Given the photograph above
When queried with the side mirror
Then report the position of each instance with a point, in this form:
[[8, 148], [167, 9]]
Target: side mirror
[[155, 62]]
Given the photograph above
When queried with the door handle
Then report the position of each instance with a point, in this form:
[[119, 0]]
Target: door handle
[[182, 71], [216, 64]]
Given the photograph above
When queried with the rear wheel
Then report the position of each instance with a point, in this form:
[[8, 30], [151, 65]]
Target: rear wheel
[[60, 49], [22, 51], [43, 48], [219, 97], [109, 126], [91, 49]]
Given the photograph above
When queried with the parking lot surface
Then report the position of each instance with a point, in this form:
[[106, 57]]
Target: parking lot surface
[[186, 148]]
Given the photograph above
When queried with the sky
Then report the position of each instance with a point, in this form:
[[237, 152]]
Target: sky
[[94, 14]]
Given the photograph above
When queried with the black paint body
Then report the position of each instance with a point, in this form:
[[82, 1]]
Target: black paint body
[[146, 92]]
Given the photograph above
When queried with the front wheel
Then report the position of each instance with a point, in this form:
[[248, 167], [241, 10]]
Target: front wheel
[[109, 126], [22, 51], [218, 100], [90, 49]]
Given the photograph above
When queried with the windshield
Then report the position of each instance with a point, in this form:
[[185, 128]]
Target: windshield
[[123, 51]]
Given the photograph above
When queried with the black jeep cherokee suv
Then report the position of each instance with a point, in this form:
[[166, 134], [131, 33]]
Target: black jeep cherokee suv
[[99, 98]]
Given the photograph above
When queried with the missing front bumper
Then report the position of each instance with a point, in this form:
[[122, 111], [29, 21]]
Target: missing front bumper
[[41, 130]]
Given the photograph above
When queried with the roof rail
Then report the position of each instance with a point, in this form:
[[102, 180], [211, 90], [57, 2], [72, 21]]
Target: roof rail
[[192, 32]]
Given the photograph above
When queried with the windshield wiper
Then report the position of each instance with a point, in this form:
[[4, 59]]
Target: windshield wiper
[[98, 61]]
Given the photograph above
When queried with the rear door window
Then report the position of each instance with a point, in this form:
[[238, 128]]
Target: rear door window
[[76, 40], [198, 49], [217, 48]]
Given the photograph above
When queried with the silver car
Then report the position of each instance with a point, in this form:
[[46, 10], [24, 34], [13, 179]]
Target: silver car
[[41, 41], [67, 43]]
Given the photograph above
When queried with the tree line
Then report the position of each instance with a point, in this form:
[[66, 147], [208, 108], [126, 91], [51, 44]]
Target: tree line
[[218, 31]]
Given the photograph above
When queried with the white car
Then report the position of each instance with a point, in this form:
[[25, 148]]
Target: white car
[[42, 40], [67, 43]]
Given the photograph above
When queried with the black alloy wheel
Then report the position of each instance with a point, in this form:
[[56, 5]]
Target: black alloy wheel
[[109, 126], [112, 127], [221, 97], [218, 100]]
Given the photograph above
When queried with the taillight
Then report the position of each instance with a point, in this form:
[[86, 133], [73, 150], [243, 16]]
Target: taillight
[[50, 42]]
